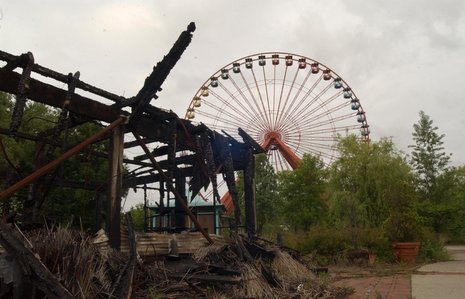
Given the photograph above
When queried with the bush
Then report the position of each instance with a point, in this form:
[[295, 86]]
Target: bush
[[431, 248], [328, 244]]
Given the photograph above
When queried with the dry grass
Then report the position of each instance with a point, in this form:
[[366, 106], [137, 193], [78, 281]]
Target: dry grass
[[203, 252], [72, 257], [254, 284], [290, 272]]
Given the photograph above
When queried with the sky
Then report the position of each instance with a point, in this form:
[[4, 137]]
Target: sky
[[398, 56]]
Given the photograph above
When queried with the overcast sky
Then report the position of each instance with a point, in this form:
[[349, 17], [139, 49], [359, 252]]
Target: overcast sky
[[398, 56]]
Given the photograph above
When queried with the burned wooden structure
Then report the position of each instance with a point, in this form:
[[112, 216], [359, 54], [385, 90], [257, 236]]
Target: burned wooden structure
[[186, 153]]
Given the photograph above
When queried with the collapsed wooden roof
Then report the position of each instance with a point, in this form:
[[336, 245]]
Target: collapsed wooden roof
[[184, 148]]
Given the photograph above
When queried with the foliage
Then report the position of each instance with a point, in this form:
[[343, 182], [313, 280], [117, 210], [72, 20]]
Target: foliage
[[268, 204], [62, 203], [432, 249], [403, 223], [445, 212], [428, 157], [303, 193], [137, 214], [360, 179], [328, 244], [267, 200]]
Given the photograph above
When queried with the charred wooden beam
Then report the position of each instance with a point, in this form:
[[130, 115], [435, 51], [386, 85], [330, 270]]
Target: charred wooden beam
[[19, 61], [161, 132], [258, 149], [160, 151], [153, 178], [56, 97], [134, 143], [163, 115], [154, 81]]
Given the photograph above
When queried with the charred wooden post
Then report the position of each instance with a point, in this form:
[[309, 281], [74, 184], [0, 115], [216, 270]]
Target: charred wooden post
[[161, 205], [249, 194], [249, 182], [228, 173], [115, 186], [123, 285], [205, 146], [180, 215], [145, 208], [21, 95]]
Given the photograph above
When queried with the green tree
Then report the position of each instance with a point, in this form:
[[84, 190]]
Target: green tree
[[360, 179], [267, 202], [138, 217], [428, 157], [445, 214], [21, 157], [303, 193]]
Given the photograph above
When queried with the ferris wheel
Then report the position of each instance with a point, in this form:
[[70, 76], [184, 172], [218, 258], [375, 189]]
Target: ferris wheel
[[290, 104]]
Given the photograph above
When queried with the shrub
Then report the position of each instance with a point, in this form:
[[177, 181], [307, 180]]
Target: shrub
[[328, 244], [432, 249]]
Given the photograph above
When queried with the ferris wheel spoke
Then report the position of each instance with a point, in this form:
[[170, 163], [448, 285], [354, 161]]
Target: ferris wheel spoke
[[280, 112], [261, 99], [317, 133], [236, 100], [326, 122], [280, 96], [274, 88], [223, 101], [297, 94], [267, 95], [221, 111], [253, 98], [325, 113], [232, 122], [298, 110], [253, 116], [324, 104], [309, 92], [322, 146], [318, 153], [308, 118], [246, 100]]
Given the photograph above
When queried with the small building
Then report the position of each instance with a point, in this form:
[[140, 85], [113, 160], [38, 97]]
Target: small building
[[208, 213]]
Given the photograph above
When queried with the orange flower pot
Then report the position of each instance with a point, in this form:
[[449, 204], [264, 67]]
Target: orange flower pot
[[406, 252]]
